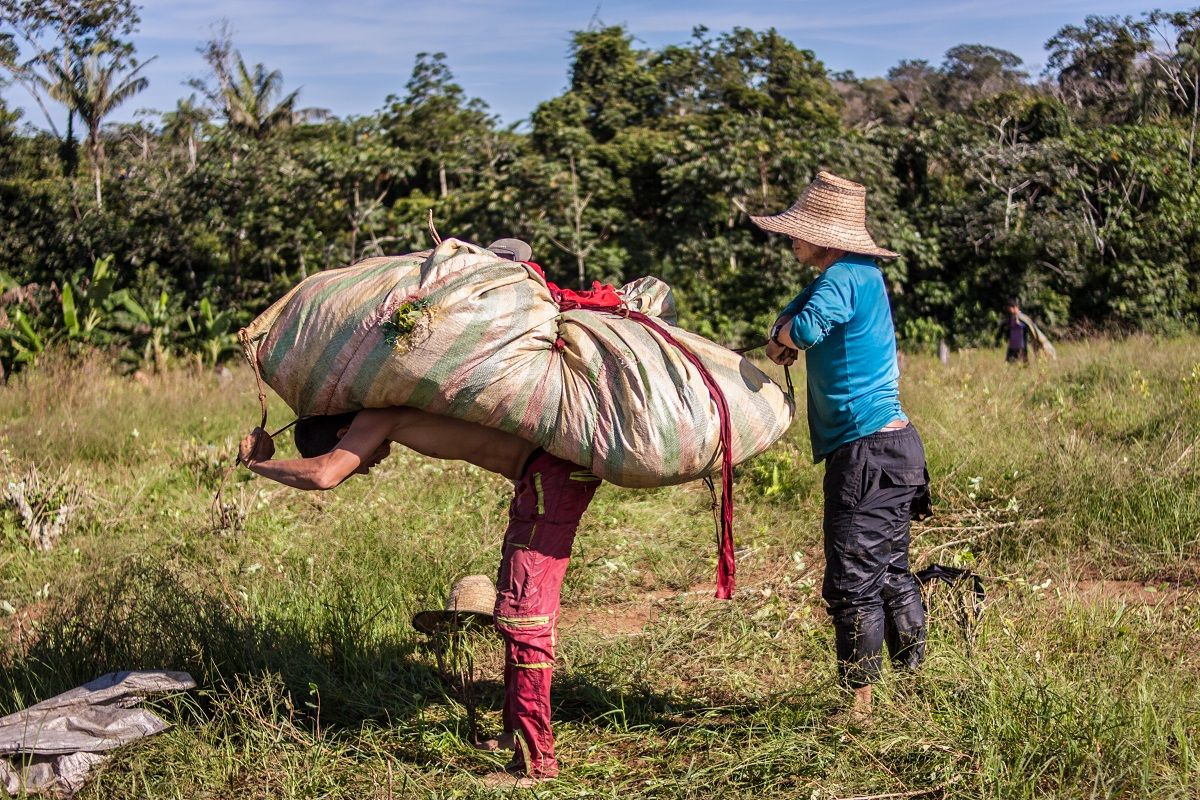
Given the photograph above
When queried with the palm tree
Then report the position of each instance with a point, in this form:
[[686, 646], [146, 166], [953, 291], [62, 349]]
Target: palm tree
[[249, 100], [250, 107], [181, 125], [249, 97], [92, 85]]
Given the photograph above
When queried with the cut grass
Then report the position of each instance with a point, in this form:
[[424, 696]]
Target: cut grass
[[314, 684]]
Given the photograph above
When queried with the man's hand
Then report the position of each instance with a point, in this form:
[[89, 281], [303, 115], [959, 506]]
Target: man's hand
[[783, 356], [257, 446]]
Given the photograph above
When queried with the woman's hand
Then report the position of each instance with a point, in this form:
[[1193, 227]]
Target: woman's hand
[[783, 356], [257, 446]]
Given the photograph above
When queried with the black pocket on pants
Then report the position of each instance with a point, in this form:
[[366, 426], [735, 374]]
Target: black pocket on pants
[[904, 476], [918, 477], [845, 478]]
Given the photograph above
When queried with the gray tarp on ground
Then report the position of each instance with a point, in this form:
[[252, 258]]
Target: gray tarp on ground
[[52, 745]]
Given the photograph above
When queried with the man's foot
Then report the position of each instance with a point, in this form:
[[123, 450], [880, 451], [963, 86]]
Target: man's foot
[[858, 713], [511, 780], [505, 741], [860, 708]]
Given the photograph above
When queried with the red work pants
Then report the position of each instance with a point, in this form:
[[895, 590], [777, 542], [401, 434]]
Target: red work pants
[[547, 504]]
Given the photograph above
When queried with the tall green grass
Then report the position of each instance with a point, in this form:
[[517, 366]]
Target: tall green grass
[[1072, 485]]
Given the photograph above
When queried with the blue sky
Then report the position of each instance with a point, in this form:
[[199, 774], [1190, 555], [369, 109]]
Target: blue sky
[[348, 56]]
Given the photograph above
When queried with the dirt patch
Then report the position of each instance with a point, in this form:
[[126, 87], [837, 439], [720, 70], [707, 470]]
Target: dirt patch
[[1136, 592], [705, 589], [21, 629], [629, 618], [617, 620]]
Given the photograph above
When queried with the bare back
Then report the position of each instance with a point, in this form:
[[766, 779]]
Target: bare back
[[449, 438]]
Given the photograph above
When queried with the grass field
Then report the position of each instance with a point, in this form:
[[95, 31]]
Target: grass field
[[1075, 486]]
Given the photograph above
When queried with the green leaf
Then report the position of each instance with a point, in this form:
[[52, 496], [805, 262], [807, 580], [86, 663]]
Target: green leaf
[[70, 317], [134, 307], [33, 342], [102, 268]]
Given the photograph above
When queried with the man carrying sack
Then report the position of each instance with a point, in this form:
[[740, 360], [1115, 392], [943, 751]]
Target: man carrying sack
[[875, 476], [550, 496]]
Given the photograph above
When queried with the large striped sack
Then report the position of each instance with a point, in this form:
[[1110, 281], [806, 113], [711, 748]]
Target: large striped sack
[[464, 333]]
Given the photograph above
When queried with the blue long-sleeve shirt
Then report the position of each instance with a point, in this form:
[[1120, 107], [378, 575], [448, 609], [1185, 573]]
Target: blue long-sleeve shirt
[[843, 322]]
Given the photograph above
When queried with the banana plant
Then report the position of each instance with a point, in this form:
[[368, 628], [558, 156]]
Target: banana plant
[[211, 332], [24, 341], [88, 302], [27, 344], [153, 322]]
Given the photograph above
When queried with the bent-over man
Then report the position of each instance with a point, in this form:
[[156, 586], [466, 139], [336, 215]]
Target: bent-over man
[[550, 496]]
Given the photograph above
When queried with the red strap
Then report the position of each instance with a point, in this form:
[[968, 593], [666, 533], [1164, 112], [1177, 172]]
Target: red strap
[[604, 297], [725, 556]]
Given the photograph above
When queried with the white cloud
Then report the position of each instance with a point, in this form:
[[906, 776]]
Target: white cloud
[[514, 54]]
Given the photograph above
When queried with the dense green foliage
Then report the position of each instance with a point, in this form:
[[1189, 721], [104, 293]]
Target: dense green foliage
[[1076, 192]]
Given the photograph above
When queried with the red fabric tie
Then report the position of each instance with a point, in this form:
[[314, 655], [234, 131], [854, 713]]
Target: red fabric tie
[[604, 297], [725, 556]]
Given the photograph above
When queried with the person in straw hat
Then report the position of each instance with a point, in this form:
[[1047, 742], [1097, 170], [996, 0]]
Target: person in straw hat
[[875, 475], [550, 496]]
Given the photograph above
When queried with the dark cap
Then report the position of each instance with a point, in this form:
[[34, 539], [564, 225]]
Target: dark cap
[[512, 249]]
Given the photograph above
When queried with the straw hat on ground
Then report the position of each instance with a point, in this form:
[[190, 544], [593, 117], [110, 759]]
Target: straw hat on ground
[[831, 212], [472, 601]]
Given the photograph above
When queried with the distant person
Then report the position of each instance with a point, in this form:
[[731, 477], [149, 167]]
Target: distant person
[[1021, 333], [943, 352], [550, 496], [875, 476]]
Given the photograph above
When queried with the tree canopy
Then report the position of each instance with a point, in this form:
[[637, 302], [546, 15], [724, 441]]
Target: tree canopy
[[1075, 190]]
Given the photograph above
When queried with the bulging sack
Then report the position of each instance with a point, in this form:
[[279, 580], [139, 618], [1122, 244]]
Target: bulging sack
[[463, 333]]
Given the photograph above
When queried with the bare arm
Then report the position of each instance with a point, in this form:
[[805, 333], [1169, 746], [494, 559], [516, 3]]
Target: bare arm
[[364, 443]]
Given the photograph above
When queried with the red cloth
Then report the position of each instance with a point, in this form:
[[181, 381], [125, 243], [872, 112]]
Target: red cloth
[[543, 517], [601, 297]]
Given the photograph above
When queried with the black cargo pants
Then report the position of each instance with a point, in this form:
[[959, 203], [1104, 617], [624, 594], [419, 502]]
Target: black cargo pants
[[873, 487]]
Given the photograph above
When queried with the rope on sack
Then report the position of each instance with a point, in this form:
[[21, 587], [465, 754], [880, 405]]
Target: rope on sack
[[725, 551], [612, 303], [726, 566], [216, 509]]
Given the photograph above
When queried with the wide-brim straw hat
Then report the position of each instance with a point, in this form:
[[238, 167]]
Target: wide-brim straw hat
[[471, 603], [831, 212]]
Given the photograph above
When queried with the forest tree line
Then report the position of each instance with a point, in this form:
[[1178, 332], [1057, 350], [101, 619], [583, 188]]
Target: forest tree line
[[1074, 189]]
